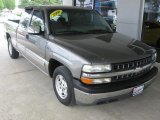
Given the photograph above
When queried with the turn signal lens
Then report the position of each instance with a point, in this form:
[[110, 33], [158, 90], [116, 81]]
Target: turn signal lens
[[87, 80], [95, 81]]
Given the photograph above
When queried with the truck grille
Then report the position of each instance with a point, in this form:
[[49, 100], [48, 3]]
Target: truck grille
[[130, 76], [131, 65], [128, 66]]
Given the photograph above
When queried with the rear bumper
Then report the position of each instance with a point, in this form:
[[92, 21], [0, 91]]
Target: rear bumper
[[84, 97]]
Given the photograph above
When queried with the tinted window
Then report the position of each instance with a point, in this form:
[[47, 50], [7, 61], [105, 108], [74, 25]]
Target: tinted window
[[77, 21]]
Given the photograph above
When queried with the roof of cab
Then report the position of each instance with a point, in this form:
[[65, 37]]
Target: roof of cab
[[47, 7]]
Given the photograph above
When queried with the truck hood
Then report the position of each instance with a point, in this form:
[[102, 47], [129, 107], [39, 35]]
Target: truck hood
[[105, 48]]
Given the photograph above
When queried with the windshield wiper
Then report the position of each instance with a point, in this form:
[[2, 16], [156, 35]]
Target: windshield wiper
[[99, 31], [71, 32]]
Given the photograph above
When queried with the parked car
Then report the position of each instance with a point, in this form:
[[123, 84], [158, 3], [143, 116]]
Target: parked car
[[87, 61]]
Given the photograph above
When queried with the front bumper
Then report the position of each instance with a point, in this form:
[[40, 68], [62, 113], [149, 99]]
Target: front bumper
[[86, 95]]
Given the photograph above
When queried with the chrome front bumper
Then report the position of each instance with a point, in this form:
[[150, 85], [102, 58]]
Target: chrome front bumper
[[87, 98]]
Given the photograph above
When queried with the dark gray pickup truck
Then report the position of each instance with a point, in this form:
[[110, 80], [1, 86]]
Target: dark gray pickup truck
[[89, 64]]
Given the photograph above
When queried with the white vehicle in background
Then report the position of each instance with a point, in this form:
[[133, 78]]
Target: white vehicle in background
[[8, 16], [4, 13]]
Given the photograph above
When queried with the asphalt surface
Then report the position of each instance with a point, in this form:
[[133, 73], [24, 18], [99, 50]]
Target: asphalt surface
[[27, 94]]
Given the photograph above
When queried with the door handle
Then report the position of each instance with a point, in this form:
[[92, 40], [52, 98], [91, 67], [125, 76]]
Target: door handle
[[27, 36]]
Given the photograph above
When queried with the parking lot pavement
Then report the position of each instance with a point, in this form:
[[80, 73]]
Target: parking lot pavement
[[27, 94]]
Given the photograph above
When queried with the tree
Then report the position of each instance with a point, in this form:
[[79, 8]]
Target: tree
[[24, 3], [9, 4], [1, 5]]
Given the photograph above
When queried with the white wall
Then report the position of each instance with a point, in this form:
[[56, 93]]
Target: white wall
[[129, 17], [68, 2]]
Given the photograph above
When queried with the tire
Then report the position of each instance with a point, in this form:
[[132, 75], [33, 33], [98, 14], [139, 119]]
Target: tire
[[63, 86], [12, 51]]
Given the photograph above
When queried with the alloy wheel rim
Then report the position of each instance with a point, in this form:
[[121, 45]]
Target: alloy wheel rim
[[61, 86]]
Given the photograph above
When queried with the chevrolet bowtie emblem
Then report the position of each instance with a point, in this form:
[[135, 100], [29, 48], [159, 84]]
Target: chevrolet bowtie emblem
[[138, 69]]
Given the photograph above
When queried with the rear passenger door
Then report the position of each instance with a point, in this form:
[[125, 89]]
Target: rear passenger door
[[36, 42]]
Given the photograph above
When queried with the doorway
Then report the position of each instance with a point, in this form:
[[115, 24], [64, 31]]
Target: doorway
[[151, 24]]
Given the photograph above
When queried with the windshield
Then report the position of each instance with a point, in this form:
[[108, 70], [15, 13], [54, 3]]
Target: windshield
[[71, 21]]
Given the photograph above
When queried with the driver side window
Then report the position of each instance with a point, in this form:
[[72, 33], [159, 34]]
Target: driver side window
[[25, 19], [37, 22]]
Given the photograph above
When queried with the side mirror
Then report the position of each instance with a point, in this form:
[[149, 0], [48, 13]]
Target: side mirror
[[36, 27]]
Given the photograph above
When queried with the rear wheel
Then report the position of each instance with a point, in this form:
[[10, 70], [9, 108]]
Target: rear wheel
[[13, 53], [63, 85]]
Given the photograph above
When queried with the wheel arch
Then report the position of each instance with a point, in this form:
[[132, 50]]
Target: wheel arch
[[53, 64], [7, 35]]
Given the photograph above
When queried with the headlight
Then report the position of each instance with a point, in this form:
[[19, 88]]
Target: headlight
[[154, 57], [96, 68]]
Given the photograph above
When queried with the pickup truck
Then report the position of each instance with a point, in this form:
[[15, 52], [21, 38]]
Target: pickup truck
[[87, 61]]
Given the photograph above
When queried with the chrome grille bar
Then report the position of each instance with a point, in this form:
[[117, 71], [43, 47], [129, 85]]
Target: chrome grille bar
[[131, 65]]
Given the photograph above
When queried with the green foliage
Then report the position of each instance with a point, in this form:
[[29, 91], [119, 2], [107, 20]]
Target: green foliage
[[1, 5], [24, 3], [9, 4]]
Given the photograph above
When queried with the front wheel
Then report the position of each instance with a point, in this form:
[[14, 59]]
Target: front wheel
[[63, 85], [13, 53]]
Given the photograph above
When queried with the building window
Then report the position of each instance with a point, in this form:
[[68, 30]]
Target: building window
[[108, 9], [84, 3]]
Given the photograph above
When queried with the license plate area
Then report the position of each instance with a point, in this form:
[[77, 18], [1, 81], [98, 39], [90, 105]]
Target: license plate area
[[138, 90]]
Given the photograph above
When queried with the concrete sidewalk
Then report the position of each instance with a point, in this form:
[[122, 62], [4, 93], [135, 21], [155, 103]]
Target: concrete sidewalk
[[27, 94]]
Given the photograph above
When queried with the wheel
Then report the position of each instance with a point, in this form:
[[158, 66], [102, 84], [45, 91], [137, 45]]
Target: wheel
[[12, 51], [63, 85]]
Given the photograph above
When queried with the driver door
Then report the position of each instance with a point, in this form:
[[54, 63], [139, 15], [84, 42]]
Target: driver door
[[36, 41]]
